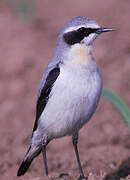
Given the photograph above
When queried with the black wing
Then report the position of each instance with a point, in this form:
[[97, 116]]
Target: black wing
[[43, 98]]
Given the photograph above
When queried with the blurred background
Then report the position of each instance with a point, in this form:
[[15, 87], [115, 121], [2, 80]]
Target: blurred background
[[28, 36]]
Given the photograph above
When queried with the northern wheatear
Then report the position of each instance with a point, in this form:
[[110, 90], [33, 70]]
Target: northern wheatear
[[69, 90]]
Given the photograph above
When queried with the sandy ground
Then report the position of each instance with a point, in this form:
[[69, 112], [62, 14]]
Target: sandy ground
[[25, 50]]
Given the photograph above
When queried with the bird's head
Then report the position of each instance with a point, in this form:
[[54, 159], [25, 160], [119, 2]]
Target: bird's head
[[76, 39], [81, 30]]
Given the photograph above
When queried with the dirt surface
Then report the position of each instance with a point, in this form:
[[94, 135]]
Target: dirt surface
[[25, 50]]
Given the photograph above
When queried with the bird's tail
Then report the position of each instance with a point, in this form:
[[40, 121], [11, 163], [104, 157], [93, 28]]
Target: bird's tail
[[31, 154]]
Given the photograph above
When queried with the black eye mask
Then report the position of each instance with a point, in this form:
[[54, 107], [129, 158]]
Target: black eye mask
[[78, 35]]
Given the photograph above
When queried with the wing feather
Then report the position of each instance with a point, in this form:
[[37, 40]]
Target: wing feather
[[44, 93]]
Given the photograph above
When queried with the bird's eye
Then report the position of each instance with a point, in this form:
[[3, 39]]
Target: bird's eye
[[86, 31], [82, 29]]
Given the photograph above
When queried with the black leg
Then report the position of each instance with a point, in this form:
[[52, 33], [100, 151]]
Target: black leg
[[44, 143], [75, 141]]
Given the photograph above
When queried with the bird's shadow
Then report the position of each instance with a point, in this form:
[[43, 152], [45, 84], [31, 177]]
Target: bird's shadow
[[122, 172], [63, 176]]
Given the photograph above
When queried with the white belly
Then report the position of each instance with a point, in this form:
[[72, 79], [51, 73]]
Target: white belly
[[71, 103]]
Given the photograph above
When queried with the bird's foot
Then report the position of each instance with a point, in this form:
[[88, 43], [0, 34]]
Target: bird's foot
[[82, 177]]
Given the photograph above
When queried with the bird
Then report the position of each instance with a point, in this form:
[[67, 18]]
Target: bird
[[69, 90]]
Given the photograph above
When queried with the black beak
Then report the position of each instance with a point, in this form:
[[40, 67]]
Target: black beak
[[103, 29]]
